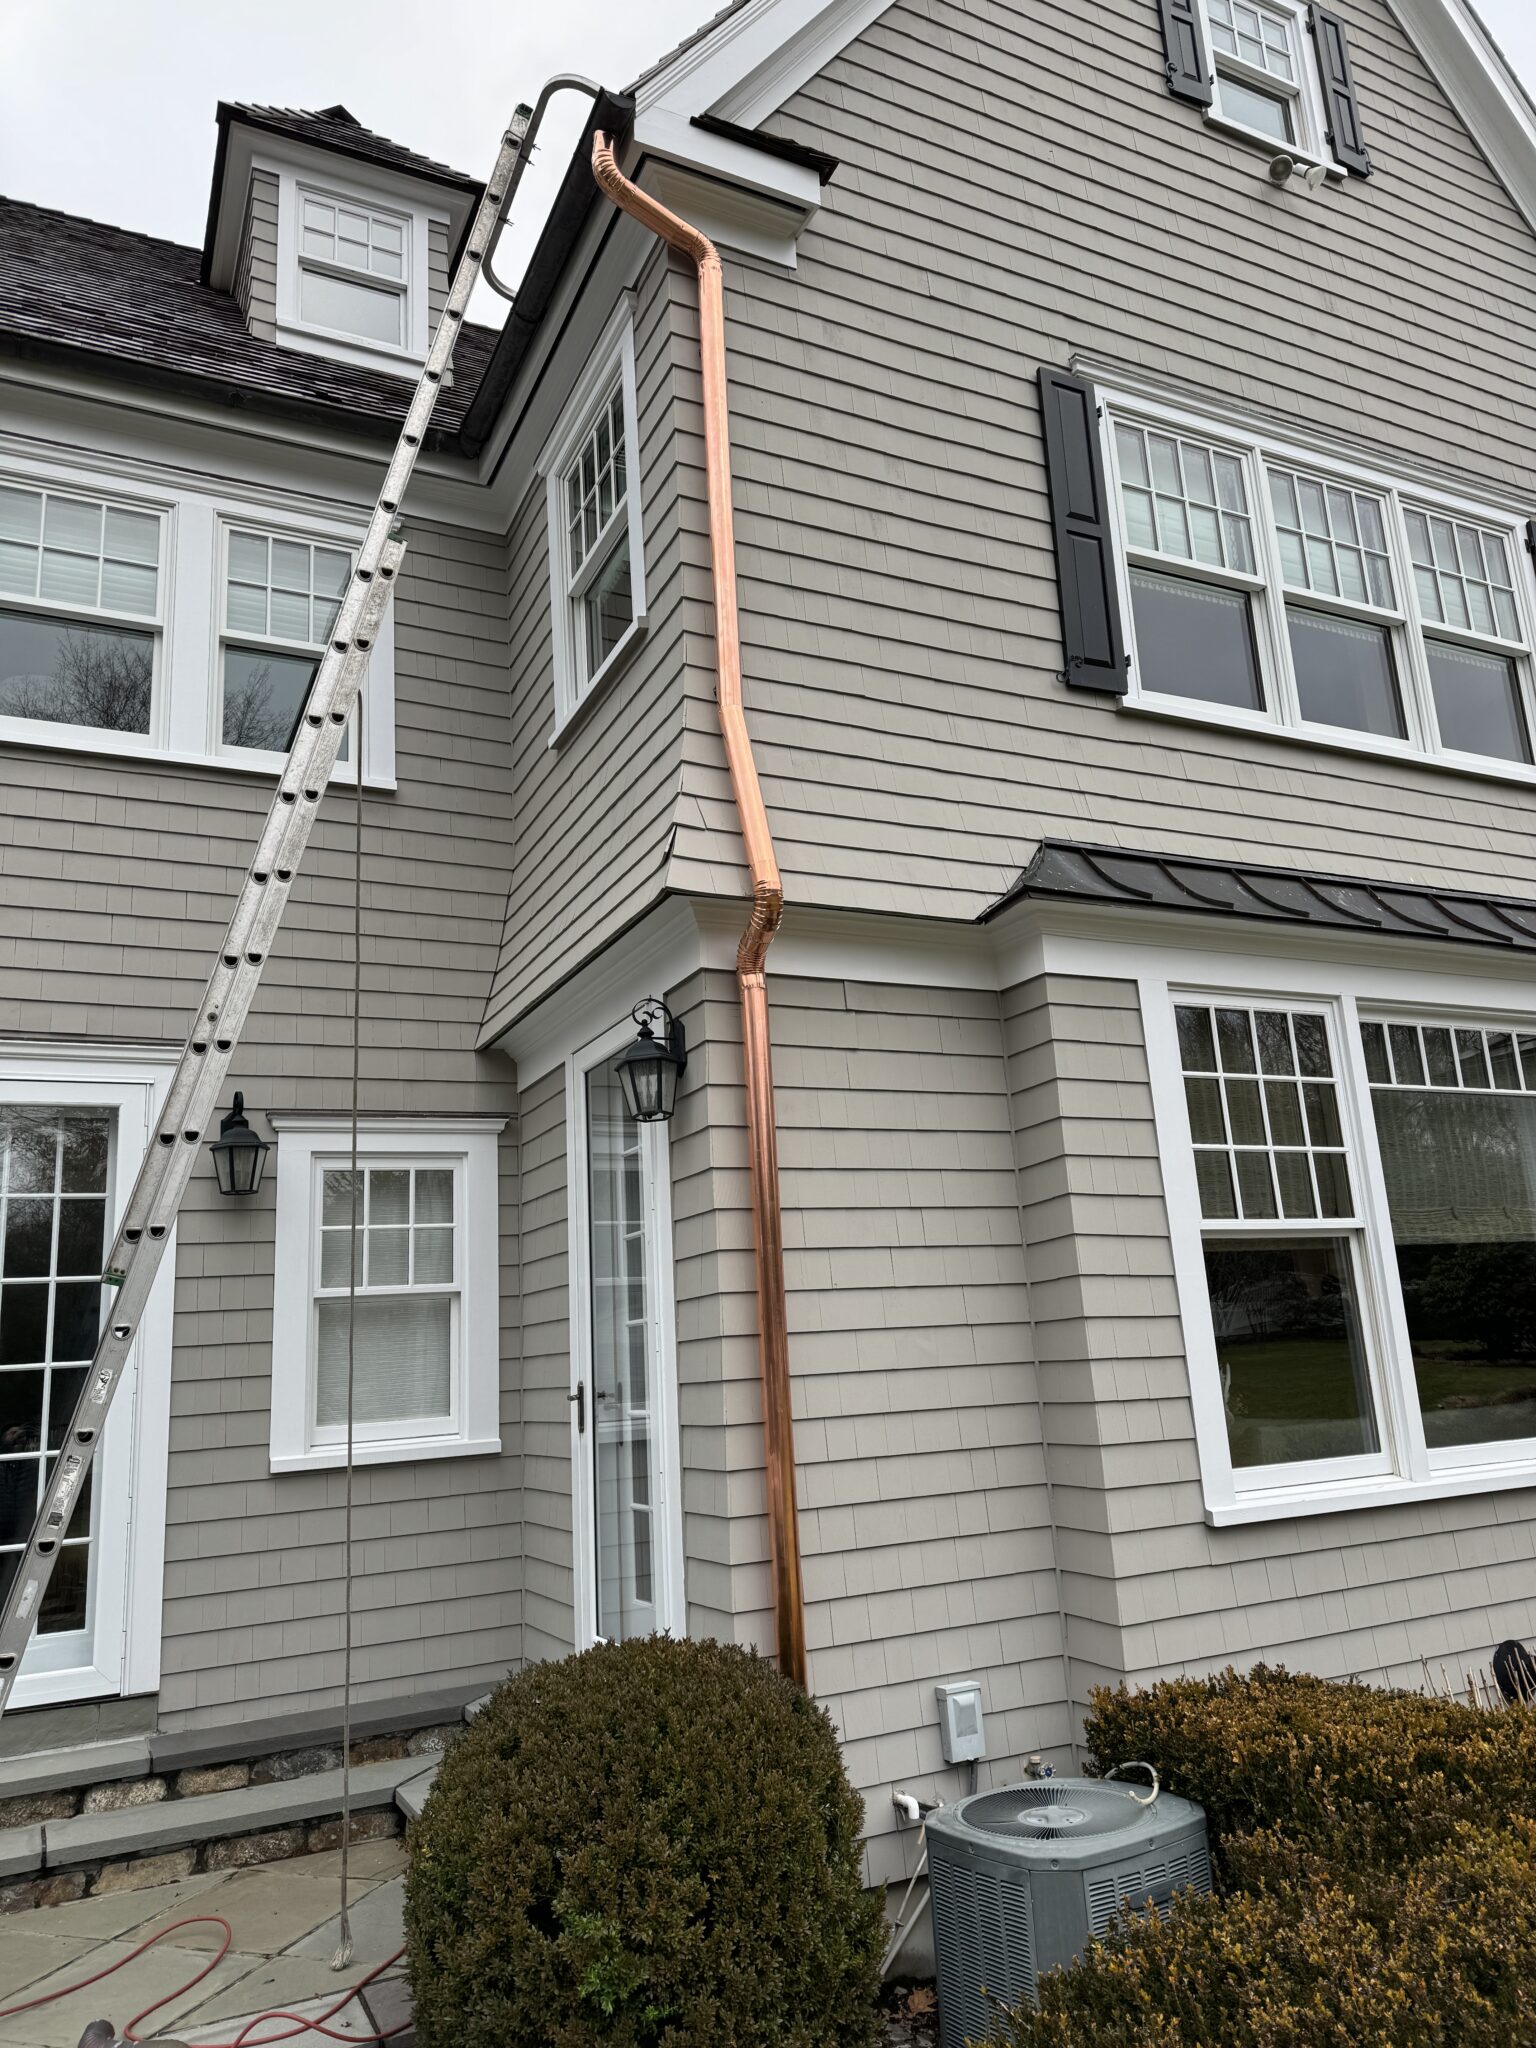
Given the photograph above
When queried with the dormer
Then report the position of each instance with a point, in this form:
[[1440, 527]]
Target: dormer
[[333, 240]]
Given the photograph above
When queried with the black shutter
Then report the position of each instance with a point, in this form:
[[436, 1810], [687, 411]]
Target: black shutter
[[1345, 135], [1085, 547], [1188, 73]]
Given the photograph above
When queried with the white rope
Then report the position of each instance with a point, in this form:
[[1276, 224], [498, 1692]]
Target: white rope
[[343, 1954]]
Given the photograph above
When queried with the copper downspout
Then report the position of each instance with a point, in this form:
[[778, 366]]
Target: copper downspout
[[767, 909]]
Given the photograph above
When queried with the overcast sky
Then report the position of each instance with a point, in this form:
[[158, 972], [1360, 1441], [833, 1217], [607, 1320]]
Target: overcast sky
[[106, 106]]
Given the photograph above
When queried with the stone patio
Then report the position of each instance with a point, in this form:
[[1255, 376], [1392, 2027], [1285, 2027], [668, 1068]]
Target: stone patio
[[284, 1918]]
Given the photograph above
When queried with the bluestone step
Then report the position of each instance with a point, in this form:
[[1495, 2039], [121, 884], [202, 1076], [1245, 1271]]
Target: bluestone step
[[137, 1830], [411, 1797]]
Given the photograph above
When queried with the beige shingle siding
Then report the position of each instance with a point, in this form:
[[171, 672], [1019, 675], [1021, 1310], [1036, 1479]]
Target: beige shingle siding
[[115, 881], [594, 814], [548, 1572], [1015, 185], [1150, 1590], [438, 279], [923, 1524], [256, 265]]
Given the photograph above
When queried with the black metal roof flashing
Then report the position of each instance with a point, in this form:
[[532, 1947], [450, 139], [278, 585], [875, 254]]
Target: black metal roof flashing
[[779, 146], [1064, 872], [331, 128], [611, 113]]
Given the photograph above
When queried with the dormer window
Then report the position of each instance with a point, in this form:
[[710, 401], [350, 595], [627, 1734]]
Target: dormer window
[[353, 269], [331, 239]]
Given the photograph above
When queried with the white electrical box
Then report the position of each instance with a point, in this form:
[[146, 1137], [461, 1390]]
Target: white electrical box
[[962, 1731]]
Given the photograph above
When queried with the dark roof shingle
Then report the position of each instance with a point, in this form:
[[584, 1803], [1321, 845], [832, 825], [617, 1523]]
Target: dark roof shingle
[[133, 306], [335, 128]]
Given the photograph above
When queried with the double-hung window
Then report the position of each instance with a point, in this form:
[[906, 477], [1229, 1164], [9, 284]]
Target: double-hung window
[[1351, 1181], [1266, 585], [391, 1279], [354, 263], [80, 610], [597, 567], [1281, 1237], [1259, 49], [280, 601]]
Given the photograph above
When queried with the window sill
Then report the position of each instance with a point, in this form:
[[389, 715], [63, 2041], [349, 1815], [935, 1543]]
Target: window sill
[[333, 1457], [86, 740], [1257, 139], [350, 348], [1189, 711], [1288, 1503], [614, 666]]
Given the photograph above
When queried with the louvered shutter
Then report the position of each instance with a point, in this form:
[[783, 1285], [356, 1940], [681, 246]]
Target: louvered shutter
[[1188, 72], [1346, 138], [1085, 550]]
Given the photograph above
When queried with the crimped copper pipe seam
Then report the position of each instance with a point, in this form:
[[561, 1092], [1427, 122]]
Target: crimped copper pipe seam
[[767, 909]]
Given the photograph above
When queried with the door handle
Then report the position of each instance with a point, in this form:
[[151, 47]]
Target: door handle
[[580, 1398]]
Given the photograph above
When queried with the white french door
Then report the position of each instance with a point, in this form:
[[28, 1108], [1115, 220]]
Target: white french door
[[628, 1524], [70, 1144]]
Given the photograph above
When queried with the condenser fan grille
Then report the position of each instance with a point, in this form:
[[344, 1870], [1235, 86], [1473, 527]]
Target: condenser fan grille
[[1052, 1813]]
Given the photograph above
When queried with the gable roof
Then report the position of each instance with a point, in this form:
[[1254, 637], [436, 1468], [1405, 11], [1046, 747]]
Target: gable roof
[[335, 128], [79, 292]]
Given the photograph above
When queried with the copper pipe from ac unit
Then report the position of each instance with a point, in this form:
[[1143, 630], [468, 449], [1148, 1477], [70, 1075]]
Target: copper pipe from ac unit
[[767, 909]]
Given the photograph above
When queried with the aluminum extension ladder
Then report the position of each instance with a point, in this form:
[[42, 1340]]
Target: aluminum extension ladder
[[201, 1071]]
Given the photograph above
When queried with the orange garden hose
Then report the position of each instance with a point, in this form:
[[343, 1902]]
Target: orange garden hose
[[767, 910]]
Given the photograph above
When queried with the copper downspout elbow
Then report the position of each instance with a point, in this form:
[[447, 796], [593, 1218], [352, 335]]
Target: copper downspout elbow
[[767, 909]]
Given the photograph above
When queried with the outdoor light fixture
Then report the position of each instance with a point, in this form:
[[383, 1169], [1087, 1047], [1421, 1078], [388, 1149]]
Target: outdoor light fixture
[[238, 1154], [649, 1069]]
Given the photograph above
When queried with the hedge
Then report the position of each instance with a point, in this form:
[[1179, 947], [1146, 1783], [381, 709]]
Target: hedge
[[1376, 1860], [1394, 1770], [650, 1845]]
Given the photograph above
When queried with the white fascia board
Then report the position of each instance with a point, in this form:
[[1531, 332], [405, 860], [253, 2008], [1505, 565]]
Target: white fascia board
[[757, 58], [1474, 76], [744, 71]]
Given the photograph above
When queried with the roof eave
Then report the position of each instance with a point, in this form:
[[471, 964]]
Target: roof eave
[[372, 424], [612, 114]]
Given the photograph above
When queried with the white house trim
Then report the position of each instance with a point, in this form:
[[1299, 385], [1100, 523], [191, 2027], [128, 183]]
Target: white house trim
[[468, 1143], [1481, 87], [671, 1604], [123, 1654], [744, 69]]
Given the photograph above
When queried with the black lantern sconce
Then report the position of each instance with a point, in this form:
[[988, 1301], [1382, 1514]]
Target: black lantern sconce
[[650, 1068], [238, 1154]]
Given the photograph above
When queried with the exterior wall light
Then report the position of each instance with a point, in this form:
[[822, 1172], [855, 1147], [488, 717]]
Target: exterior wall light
[[238, 1154], [650, 1068]]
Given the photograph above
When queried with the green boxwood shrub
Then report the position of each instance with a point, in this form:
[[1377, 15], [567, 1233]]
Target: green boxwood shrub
[[1393, 1770], [1440, 1955], [651, 1843], [1376, 1859]]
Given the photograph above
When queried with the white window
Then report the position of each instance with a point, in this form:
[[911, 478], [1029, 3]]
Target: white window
[[597, 568], [1266, 83], [624, 1444], [1351, 1185], [80, 611], [1270, 586], [281, 599], [183, 626], [354, 266], [422, 1327]]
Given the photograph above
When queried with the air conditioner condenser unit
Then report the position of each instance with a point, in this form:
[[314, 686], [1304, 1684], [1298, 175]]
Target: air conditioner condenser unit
[[1022, 1879]]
